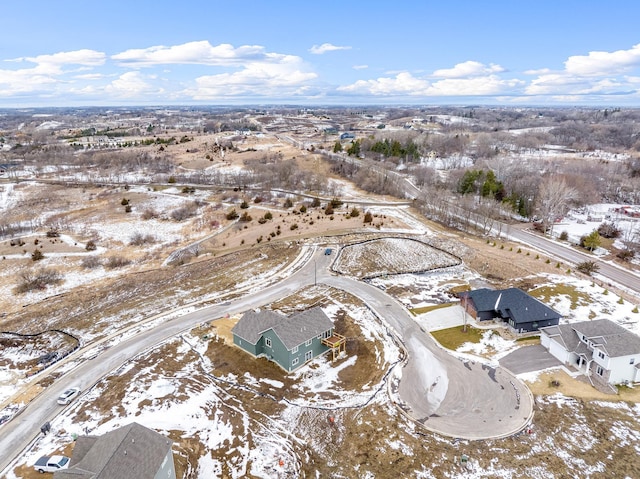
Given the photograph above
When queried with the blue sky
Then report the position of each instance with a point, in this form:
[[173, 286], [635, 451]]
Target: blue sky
[[141, 52]]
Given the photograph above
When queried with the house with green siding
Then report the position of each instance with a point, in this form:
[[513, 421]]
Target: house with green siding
[[288, 341]]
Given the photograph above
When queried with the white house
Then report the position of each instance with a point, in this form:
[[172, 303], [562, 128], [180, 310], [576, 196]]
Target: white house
[[601, 349]]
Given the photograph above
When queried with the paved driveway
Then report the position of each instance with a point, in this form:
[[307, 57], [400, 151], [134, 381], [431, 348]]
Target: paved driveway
[[528, 359]]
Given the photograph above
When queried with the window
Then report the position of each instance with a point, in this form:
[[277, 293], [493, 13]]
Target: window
[[267, 342], [294, 362], [308, 343], [294, 350], [632, 360], [600, 354], [327, 334], [600, 371], [308, 356]]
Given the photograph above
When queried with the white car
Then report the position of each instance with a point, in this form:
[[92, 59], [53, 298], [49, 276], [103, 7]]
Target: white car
[[68, 396]]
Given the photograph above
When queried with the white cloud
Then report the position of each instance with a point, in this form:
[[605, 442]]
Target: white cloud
[[47, 75], [200, 52], [603, 63], [468, 69], [402, 83], [406, 84], [288, 77], [540, 71], [77, 57], [132, 85], [326, 47], [360, 67]]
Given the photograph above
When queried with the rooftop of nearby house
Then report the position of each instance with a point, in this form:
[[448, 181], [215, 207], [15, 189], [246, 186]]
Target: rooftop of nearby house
[[130, 451], [612, 338], [511, 302], [292, 331]]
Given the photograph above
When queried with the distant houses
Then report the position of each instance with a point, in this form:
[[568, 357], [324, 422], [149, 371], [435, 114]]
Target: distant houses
[[602, 349], [129, 451], [522, 312], [288, 341]]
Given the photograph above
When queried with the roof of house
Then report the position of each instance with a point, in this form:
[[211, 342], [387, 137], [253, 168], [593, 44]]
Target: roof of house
[[292, 331], [130, 451], [512, 303], [612, 338]]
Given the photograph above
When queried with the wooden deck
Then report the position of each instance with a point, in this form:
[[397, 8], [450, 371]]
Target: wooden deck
[[337, 343]]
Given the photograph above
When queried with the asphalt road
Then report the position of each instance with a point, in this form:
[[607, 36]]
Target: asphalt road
[[446, 394], [609, 271]]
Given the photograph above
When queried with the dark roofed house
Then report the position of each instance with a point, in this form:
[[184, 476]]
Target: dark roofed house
[[601, 349], [522, 312], [288, 341], [131, 451]]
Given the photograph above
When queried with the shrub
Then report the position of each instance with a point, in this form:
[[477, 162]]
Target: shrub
[[588, 267], [90, 262], [368, 217], [620, 300], [635, 310], [564, 236], [232, 215], [244, 205], [354, 212], [149, 213], [185, 212], [188, 189], [124, 202], [328, 210], [609, 230], [336, 202], [116, 262], [257, 200], [245, 217], [171, 179], [294, 226], [139, 239], [262, 221], [315, 203], [53, 233], [127, 209], [90, 246], [37, 255], [38, 280], [268, 215], [288, 203], [303, 209], [625, 254]]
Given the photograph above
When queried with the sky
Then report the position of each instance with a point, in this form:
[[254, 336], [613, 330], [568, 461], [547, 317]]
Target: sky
[[358, 52]]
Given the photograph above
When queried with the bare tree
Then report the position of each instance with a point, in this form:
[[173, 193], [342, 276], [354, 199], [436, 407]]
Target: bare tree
[[553, 200]]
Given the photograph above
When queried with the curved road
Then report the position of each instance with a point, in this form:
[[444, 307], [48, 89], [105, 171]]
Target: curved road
[[442, 392]]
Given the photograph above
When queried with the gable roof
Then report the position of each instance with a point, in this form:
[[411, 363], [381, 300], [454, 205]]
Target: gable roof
[[612, 338], [511, 303], [292, 331], [130, 451]]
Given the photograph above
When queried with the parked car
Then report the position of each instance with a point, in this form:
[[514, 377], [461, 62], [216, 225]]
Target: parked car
[[51, 464], [68, 396], [327, 251]]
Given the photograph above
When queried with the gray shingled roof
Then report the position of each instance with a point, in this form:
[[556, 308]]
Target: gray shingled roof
[[511, 303], [253, 323], [615, 340], [124, 453], [292, 331]]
